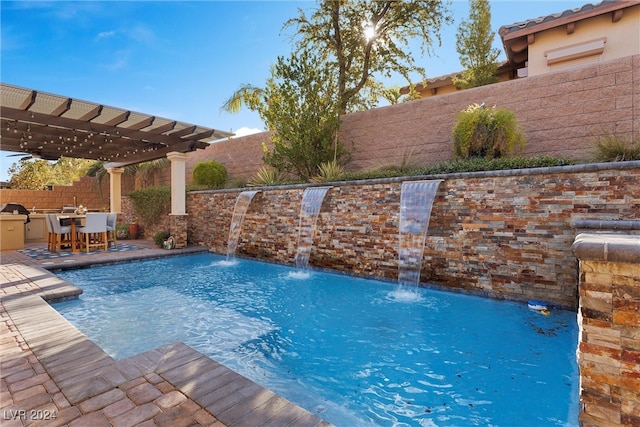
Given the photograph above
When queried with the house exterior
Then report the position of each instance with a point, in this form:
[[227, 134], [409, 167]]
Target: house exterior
[[586, 35]]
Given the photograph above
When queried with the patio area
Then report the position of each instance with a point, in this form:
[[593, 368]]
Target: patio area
[[51, 374]]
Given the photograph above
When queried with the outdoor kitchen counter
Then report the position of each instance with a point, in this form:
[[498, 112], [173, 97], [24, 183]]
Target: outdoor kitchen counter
[[12, 231]]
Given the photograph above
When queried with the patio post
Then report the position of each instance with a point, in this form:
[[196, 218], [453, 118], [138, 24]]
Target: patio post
[[115, 189], [178, 216]]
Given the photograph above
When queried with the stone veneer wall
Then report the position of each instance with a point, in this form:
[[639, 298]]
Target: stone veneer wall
[[609, 314], [501, 234]]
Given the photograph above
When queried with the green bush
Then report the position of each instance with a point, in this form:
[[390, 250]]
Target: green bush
[[122, 231], [614, 148], [463, 165], [151, 203], [485, 164], [160, 237], [486, 132], [212, 174]]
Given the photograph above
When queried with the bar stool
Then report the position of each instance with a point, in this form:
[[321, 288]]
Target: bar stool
[[94, 232]]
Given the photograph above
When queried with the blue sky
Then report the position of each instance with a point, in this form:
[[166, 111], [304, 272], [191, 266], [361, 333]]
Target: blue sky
[[180, 60]]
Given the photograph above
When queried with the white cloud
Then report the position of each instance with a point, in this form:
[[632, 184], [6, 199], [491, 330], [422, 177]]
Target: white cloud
[[246, 131], [105, 35]]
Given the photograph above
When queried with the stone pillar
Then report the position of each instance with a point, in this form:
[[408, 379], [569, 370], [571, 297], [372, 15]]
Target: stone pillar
[[609, 321], [178, 216], [178, 230], [115, 188]]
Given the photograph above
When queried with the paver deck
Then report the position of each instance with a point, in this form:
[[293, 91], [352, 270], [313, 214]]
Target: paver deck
[[53, 375]]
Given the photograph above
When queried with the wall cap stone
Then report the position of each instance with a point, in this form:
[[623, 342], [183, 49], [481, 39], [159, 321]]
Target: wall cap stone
[[607, 247], [590, 224]]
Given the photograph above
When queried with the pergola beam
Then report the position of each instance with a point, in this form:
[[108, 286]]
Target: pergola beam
[[52, 126]]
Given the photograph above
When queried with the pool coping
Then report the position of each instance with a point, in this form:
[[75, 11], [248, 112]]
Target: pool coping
[[82, 371]]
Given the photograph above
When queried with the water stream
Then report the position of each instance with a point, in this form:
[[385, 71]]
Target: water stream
[[309, 209], [416, 201], [242, 204]]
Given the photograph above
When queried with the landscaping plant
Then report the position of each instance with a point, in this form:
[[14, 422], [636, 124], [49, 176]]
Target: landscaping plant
[[615, 148], [486, 132], [211, 174], [160, 237], [151, 203]]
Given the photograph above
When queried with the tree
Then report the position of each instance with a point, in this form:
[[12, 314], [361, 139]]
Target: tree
[[144, 171], [39, 174], [473, 42], [395, 96], [298, 107], [364, 38]]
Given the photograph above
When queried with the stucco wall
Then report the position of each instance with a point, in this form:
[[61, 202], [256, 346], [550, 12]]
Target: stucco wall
[[622, 39], [560, 114], [499, 234]]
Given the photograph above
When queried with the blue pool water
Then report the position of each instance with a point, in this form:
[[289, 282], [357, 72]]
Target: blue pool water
[[353, 351]]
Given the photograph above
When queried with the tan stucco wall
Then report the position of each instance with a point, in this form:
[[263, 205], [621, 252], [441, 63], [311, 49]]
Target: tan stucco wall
[[622, 39]]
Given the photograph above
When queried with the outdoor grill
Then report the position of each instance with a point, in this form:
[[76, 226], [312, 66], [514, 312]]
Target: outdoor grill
[[15, 208]]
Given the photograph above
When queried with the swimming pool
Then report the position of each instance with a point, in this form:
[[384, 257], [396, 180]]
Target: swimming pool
[[351, 350]]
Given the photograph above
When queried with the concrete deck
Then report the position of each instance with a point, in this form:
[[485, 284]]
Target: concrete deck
[[53, 375]]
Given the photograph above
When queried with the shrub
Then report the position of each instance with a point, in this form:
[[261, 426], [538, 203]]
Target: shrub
[[486, 132], [614, 148], [485, 164], [211, 173], [464, 165], [160, 237], [151, 202], [122, 231]]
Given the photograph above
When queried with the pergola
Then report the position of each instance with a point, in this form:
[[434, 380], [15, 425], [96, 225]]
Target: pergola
[[48, 126]]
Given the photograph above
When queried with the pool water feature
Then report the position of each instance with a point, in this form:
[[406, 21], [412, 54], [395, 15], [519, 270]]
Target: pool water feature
[[309, 209], [416, 201], [344, 348], [240, 209]]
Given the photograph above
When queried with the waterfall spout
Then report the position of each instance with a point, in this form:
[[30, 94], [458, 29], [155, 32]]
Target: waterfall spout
[[242, 204], [416, 201], [309, 209]]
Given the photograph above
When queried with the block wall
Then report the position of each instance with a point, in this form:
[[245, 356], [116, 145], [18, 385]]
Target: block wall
[[84, 190], [560, 113], [500, 234]]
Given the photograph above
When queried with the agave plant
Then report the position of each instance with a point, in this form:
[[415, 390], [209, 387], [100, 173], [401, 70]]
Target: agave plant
[[265, 176], [329, 172]]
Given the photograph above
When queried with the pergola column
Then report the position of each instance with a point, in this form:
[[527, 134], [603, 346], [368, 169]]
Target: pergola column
[[178, 216], [115, 189]]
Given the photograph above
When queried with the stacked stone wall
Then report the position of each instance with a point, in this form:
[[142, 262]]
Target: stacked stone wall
[[609, 320], [609, 351], [500, 234]]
